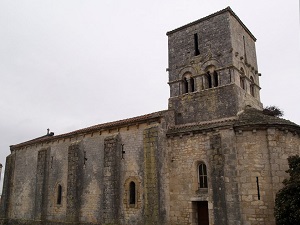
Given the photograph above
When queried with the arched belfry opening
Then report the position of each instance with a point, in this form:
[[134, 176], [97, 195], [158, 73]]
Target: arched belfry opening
[[211, 77], [188, 83]]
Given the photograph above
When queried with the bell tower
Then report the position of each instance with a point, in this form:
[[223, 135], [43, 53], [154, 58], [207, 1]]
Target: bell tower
[[213, 70]]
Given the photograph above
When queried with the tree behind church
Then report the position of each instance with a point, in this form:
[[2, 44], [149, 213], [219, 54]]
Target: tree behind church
[[287, 202]]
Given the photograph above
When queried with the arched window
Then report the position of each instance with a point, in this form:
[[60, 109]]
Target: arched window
[[188, 84], [202, 175], [216, 79], [252, 87], [59, 195], [132, 197], [209, 81]]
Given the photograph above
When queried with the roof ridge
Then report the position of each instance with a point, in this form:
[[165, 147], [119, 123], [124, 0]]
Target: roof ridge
[[93, 128]]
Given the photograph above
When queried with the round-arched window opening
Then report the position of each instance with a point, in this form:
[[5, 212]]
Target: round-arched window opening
[[188, 83], [202, 175], [132, 195]]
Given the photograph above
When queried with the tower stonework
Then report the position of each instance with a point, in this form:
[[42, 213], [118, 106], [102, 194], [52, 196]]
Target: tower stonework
[[213, 70], [212, 158]]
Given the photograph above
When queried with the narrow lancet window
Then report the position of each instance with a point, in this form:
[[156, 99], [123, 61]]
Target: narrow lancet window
[[59, 195], [245, 55], [197, 52], [132, 197], [252, 87], [257, 186], [242, 79]]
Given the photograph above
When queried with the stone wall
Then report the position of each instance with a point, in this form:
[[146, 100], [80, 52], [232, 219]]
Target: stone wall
[[211, 104], [184, 153], [7, 191], [111, 183], [94, 171], [145, 170], [213, 41], [217, 151], [262, 162], [225, 47], [74, 182], [23, 191]]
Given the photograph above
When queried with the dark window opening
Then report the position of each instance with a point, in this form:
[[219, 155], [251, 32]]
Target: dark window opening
[[209, 81], [252, 87], [59, 195], [188, 84], [185, 86], [242, 83], [197, 52], [216, 79], [257, 186], [202, 173], [192, 84], [132, 196]]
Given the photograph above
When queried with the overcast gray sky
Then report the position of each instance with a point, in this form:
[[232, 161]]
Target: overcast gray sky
[[70, 64]]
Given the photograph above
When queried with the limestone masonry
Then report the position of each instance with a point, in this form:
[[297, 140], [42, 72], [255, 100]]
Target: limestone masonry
[[212, 158]]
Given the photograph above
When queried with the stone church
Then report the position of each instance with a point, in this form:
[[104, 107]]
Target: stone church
[[212, 158]]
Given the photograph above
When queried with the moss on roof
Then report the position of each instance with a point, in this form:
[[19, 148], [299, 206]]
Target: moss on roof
[[253, 116], [250, 118]]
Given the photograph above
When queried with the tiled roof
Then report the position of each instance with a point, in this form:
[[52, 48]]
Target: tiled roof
[[207, 125], [249, 119], [253, 116], [103, 126]]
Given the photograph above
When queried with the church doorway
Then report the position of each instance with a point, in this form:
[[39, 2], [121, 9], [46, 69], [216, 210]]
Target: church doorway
[[202, 210]]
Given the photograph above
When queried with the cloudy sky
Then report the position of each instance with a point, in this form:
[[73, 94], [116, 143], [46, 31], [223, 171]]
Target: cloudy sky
[[69, 64]]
